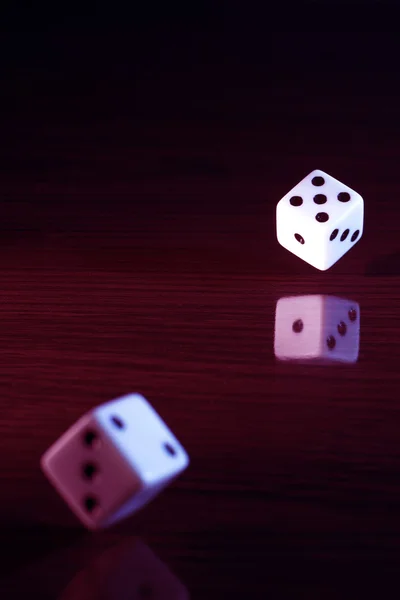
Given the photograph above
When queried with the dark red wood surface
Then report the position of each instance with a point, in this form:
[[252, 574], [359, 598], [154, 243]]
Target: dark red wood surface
[[138, 253]]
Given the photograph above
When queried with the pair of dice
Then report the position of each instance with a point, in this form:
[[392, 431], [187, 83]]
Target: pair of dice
[[317, 328], [320, 220], [114, 460]]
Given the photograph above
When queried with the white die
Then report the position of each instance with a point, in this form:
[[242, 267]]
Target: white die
[[317, 327], [320, 219], [114, 460]]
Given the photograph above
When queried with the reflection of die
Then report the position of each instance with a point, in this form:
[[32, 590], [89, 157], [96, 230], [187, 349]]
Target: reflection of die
[[317, 327], [109, 567], [130, 571], [114, 460], [320, 219]]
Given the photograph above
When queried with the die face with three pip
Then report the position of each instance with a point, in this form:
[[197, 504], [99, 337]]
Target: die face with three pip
[[317, 328], [320, 220], [114, 460]]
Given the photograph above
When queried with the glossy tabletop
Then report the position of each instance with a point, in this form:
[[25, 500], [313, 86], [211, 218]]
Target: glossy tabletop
[[139, 253]]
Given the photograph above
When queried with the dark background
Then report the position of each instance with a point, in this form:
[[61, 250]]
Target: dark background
[[141, 163]]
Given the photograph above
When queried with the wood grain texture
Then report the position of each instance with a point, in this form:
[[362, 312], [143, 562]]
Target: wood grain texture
[[139, 254]]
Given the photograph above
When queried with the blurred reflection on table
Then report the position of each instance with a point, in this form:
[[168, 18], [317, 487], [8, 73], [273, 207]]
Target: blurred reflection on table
[[318, 328], [127, 570]]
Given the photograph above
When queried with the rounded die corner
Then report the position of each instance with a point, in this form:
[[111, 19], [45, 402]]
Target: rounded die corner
[[186, 458], [324, 268], [107, 406], [44, 463], [318, 172], [133, 397], [90, 524], [185, 462]]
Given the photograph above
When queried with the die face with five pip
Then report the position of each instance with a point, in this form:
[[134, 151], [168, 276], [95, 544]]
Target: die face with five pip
[[114, 460], [320, 220], [317, 328]]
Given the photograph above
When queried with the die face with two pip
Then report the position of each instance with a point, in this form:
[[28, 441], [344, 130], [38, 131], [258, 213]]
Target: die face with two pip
[[114, 460], [317, 328], [320, 220]]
